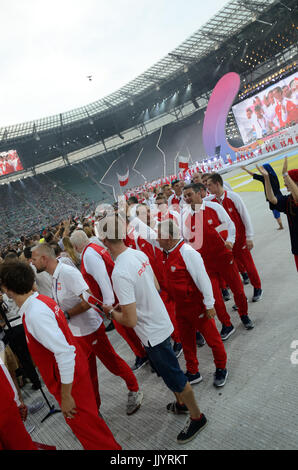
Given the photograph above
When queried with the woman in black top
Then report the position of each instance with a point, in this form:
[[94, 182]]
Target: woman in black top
[[287, 204], [275, 187]]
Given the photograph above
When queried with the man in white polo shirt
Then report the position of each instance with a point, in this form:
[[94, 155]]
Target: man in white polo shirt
[[85, 323], [140, 307]]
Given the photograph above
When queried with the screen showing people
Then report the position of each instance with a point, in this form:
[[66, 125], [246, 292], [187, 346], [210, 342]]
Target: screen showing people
[[9, 162], [268, 111]]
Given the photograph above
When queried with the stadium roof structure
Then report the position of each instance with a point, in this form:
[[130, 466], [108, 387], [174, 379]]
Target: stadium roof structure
[[235, 33]]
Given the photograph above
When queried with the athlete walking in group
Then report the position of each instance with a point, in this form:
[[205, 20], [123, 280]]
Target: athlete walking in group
[[59, 358], [141, 308], [243, 245]]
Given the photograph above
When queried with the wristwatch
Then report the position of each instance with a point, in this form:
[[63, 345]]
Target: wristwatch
[[285, 174], [110, 314]]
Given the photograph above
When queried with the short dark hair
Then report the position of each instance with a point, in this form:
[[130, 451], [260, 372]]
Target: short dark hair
[[49, 237], [204, 175], [195, 186], [28, 252], [132, 200], [11, 256], [161, 196], [201, 186], [174, 182], [17, 277], [216, 178]]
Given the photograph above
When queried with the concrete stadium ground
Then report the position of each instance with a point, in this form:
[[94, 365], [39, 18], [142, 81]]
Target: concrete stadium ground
[[257, 408]]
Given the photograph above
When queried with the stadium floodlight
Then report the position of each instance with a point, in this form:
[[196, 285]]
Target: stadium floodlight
[[264, 22], [288, 8]]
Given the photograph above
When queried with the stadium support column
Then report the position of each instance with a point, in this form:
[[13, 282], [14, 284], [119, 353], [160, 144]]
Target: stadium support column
[[62, 142], [142, 129]]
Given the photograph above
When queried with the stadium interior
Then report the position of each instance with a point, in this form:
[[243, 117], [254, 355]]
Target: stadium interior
[[160, 111], [71, 160]]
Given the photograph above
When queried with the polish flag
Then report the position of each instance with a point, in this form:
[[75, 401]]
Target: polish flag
[[183, 163], [222, 230], [95, 303], [123, 180]]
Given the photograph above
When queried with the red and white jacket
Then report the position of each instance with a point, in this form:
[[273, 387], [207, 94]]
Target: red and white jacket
[[9, 392], [188, 283], [176, 202], [207, 230], [236, 209], [141, 237], [97, 267], [52, 346], [169, 214]]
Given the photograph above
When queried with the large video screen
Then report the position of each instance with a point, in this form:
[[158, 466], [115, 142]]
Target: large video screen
[[10, 162], [269, 110]]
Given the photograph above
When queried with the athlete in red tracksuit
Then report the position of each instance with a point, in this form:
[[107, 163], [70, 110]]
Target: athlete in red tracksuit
[[13, 434], [97, 343], [202, 223], [175, 201], [127, 333], [58, 357], [236, 209], [190, 287], [164, 211], [86, 424], [145, 243]]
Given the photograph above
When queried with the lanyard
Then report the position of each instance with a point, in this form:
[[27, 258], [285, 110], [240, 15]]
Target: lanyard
[[56, 291]]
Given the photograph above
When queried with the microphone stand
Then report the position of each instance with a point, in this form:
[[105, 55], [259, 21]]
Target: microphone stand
[[3, 310]]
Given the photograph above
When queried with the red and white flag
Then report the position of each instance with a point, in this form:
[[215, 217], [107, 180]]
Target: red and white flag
[[123, 179], [183, 162], [95, 303]]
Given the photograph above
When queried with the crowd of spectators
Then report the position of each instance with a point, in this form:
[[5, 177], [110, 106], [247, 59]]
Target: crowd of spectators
[[27, 211]]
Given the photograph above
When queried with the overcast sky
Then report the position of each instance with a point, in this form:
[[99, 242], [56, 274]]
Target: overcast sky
[[47, 49]]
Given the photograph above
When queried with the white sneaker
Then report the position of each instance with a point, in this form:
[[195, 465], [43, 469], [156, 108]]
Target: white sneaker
[[134, 402]]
